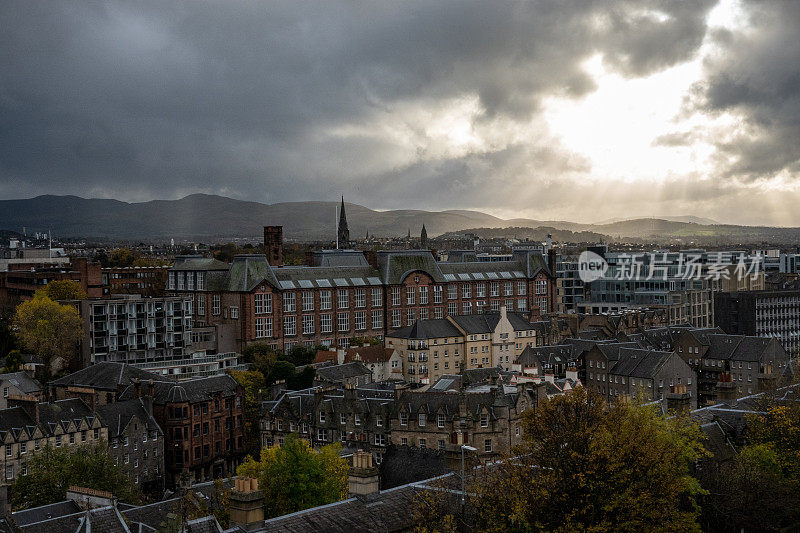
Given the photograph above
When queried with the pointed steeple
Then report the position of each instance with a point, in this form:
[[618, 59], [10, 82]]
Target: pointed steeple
[[423, 238], [344, 231]]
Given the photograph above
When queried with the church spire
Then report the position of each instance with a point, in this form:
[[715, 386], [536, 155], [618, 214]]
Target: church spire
[[344, 231], [423, 238]]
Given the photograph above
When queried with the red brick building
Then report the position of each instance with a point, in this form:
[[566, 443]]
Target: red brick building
[[21, 280], [346, 293]]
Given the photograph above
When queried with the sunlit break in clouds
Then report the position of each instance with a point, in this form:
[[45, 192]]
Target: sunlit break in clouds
[[546, 110]]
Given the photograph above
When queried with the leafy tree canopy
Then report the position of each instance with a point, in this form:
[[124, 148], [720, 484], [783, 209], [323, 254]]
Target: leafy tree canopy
[[294, 476], [48, 329], [62, 290], [53, 470]]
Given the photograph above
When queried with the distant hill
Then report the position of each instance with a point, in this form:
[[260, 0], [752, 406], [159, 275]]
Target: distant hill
[[681, 218], [202, 216]]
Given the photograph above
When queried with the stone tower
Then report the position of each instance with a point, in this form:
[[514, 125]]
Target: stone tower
[[344, 231], [423, 238]]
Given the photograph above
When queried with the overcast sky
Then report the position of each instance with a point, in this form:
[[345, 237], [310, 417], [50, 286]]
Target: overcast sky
[[570, 109]]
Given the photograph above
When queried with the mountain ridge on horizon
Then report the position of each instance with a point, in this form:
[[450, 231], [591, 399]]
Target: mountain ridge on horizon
[[210, 215]]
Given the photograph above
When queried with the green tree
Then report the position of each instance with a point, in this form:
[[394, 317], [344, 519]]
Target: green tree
[[12, 362], [588, 466], [301, 380], [49, 330], [225, 252], [283, 370], [261, 356], [295, 476], [53, 470], [122, 257], [252, 381], [63, 290]]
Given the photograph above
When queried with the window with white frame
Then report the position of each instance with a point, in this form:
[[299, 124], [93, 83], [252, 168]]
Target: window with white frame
[[289, 302], [380, 440], [438, 312], [494, 288], [190, 281], [360, 297], [377, 296], [343, 320], [308, 301], [437, 294], [326, 323], [421, 420], [290, 325], [324, 300], [452, 308], [452, 291], [201, 304], [403, 419], [308, 324], [423, 296], [423, 313], [480, 290], [395, 296], [522, 288], [508, 287], [484, 420], [487, 445], [466, 308], [377, 319], [541, 286], [410, 295], [215, 304], [411, 316], [342, 298], [201, 281], [234, 311], [466, 290], [361, 320], [522, 304], [440, 420], [397, 318], [171, 282]]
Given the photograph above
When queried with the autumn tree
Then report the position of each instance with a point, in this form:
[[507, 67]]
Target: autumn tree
[[585, 465], [253, 382], [122, 257], [62, 290], [52, 471], [48, 329], [294, 476]]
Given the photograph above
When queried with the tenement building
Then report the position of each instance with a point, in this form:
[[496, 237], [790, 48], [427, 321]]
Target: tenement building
[[430, 349], [136, 441], [27, 426], [341, 294], [357, 417]]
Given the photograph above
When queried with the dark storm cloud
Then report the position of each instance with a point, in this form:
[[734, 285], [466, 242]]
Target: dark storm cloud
[[756, 76], [160, 99]]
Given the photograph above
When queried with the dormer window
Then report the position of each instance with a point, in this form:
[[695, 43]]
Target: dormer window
[[421, 420], [484, 420]]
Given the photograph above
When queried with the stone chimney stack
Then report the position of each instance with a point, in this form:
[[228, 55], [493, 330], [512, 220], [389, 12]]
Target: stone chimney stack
[[678, 399], [726, 388], [29, 403], [767, 380], [572, 373], [364, 478], [247, 504], [273, 245]]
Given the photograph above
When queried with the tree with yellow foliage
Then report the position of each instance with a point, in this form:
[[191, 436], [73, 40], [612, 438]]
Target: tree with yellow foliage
[[66, 289], [48, 329], [586, 466], [295, 477]]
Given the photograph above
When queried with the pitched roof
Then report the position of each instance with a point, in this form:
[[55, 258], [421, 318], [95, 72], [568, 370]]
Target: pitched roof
[[191, 390], [639, 363], [45, 512], [107, 376], [22, 381], [118, 415], [437, 328], [338, 373]]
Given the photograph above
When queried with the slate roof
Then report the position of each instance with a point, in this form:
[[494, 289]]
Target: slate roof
[[427, 329], [198, 263], [118, 415], [207, 524], [107, 376], [638, 363], [22, 381], [387, 511], [394, 266], [339, 373], [192, 390], [541, 356], [717, 441], [105, 519], [45, 512]]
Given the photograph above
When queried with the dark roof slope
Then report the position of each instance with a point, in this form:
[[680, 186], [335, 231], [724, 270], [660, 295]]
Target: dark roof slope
[[338, 373], [118, 415], [107, 376], [22, 381]]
